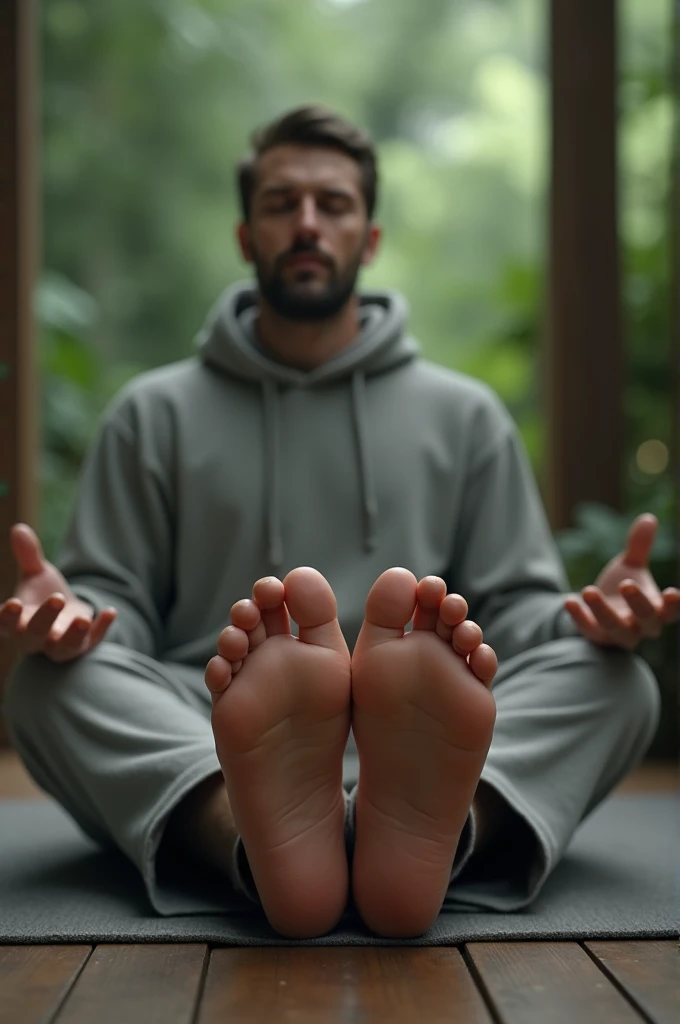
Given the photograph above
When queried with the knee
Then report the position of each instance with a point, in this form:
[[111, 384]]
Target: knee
[[627, 685], [642, 695], [29, 689], [38, 691]]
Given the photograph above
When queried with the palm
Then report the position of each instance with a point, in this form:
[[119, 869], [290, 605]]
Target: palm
[[613, 575], [33, 590]]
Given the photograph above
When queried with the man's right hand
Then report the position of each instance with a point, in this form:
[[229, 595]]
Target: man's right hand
[[44, 616]]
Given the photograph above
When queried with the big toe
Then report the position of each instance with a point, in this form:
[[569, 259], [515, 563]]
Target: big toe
[[311, 602], [390, 605]]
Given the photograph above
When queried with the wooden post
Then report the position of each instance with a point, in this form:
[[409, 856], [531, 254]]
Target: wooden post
[[583, 356], [674, 220], [19, 210]]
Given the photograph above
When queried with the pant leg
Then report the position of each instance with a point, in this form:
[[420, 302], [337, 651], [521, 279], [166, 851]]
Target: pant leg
[[572, 720], [119, 739]]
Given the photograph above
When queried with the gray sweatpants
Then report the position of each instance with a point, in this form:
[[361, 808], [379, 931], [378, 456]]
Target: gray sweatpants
[[118, 739]]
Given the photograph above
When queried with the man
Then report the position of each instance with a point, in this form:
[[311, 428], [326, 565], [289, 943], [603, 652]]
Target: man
[[308, 439]]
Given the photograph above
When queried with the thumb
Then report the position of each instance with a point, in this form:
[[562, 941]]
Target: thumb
[[27, 549]]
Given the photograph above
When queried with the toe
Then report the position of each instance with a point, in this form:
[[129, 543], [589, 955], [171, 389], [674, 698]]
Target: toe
[[247, 616], [430, 593], [452, 611], [466, 637], [311, 602], [269, 596], [484, 664], [233, 643], [218, 675], [389, 606]]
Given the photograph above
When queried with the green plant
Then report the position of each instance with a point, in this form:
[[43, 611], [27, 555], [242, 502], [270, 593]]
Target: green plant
[[76, 385]]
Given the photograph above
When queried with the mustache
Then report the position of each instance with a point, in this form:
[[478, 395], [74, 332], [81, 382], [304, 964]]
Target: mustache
[[307, 250]]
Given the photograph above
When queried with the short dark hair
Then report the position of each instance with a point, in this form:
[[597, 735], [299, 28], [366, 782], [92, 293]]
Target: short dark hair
[[313, 125]]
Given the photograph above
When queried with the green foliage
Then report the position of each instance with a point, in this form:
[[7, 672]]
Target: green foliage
[[75, 388]]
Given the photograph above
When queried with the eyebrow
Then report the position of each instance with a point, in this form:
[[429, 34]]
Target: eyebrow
[[329, 190]]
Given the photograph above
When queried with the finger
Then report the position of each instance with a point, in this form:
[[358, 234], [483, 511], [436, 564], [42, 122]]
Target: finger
[[606, 616], [584, 619], [79, 637], [671, 601], [34, 634], [27, 549], [10, 614], [69, 644], [71, 634], [101, 626], [640, 540], [648, 614]]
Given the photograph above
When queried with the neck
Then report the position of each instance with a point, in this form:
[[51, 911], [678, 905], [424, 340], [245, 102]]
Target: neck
[[304, 344]]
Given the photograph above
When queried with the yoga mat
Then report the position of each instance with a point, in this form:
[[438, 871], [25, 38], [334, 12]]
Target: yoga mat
[[618, 880]]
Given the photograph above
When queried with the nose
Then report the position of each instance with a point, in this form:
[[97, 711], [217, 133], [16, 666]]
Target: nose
[[308, 220]]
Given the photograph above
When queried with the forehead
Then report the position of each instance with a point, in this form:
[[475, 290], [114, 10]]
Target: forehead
[[307, 167]]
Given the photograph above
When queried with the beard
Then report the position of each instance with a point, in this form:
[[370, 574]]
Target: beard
[[293, 300]]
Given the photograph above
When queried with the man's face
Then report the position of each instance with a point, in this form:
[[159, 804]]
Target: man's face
[[308, 233]]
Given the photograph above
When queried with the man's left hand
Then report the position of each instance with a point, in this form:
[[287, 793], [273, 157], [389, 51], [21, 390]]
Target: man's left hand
[[625, 605]]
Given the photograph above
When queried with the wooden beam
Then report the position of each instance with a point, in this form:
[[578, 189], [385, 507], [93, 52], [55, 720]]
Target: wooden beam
[[674, 221], [19, 211], [583, 356]]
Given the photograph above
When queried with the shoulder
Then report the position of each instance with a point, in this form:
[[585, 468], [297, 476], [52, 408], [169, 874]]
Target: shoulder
[[470, 400], [158, 394]]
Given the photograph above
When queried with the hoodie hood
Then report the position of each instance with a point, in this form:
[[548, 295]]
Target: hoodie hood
[[228, 342]]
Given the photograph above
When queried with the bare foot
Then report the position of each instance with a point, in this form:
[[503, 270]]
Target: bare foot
[[423, 721], [281, 715]]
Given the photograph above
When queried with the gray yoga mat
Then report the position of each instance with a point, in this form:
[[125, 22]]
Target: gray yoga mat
[[619, 879]]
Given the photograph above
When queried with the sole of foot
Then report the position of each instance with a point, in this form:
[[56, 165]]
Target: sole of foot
[[423, 719], [280, 717]]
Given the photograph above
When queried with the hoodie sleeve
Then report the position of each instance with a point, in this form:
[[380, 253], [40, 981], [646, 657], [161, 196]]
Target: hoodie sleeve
[[118, 549], [506, 563]]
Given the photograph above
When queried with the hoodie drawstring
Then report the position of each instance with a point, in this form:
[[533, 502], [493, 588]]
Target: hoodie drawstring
[[368, 493]]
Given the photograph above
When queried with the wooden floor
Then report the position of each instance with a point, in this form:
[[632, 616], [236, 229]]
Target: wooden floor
[[519, 982]]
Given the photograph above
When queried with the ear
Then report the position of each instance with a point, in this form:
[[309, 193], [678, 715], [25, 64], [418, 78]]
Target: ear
[[373, 238], [243, 238]]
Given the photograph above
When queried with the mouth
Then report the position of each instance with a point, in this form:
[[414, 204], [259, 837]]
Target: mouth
[[305, 260]]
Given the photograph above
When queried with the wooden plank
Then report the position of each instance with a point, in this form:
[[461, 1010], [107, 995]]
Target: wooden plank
[[652, 777], [583, 365], [15, 781], [19, 210], [155, 983], [535, 982], [649, 972], [34, 980], [334, 984]]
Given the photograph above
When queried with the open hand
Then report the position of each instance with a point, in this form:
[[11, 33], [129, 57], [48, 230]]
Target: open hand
[[44, 615], [625, 605]]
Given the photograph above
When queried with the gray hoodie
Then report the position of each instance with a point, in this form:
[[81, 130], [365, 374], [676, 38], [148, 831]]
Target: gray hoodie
[[212, 472]]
